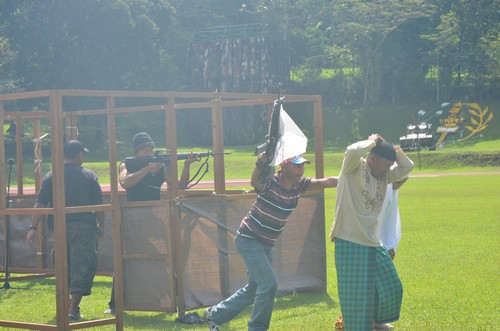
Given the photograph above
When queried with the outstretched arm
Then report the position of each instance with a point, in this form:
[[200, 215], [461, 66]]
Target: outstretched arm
[[321, 183]]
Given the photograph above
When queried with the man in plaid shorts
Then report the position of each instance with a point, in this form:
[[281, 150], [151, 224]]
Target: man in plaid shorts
[[370, 291]]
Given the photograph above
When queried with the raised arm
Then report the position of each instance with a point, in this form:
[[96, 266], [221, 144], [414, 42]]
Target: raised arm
[[184, 180], [259, 166], [402, 167]]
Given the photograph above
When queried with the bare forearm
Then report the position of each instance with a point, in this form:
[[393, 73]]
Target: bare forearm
[[321, 183], [35, 222], [37, 219], [260, 166], [100, 219], [184, 180], [128, 180]]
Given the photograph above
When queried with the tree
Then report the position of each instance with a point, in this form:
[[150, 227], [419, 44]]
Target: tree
[[364, 26], [8, 80], [109, 44], [464, 43]]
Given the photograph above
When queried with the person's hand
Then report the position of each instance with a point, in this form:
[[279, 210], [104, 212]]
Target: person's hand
[[392, 253], [154, 167], [376, 137], [262, 160], [30, 237], [192, 157]]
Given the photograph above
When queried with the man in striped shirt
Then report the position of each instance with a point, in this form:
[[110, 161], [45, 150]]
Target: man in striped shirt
[[256, 237]]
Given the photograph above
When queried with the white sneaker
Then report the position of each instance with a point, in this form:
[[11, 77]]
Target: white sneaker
[[211, 324], [109, 311], [385, 326]]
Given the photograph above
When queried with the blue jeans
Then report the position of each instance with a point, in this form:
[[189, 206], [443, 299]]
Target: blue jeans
[[260, 290]]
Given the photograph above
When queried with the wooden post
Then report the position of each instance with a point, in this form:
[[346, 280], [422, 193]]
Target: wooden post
[[37, 152], [71, 126], [2, 178], [220, 188], [318, 135], [176, 262], [37, 141], [171, 143], [218, 147], [19, 152], [59, 201], [117, 216]]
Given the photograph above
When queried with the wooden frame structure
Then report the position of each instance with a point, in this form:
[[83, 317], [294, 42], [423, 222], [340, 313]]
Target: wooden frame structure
[[63, 123]]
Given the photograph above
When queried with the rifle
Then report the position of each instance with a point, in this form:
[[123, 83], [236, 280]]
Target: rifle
[[272, 140], [134, 164]]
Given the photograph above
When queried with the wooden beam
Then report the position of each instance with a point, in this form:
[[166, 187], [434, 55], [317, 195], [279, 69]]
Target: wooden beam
[[59, 202], [318, 135], [117, 216]]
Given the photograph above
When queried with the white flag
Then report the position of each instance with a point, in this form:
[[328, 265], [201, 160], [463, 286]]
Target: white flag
[[292, 140]]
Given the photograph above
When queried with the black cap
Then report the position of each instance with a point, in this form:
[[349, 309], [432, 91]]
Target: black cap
[[142, 140], [73, 147], [385, 150]]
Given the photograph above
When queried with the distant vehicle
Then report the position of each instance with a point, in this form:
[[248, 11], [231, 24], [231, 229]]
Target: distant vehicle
[[418, 137]]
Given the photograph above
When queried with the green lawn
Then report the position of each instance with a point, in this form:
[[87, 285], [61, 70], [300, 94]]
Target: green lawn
[[448, 260], [454, 158]]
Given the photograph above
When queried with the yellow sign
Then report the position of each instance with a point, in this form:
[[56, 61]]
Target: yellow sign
[[477, 121]]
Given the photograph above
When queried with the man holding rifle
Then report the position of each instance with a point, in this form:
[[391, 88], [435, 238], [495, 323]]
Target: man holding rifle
[[145, 183], [259, 230]]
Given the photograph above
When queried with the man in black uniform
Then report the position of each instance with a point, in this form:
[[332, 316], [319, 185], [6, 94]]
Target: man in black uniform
[[145, 184], [81, 188]]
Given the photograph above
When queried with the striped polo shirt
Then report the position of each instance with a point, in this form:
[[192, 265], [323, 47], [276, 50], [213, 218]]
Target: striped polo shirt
[[270, 212]]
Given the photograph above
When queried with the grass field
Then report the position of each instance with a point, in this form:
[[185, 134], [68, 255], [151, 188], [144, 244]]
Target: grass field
[[477, 156], [448, 260]]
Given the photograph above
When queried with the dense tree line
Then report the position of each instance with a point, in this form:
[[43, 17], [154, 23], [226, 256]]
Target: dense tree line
[[356, 53]]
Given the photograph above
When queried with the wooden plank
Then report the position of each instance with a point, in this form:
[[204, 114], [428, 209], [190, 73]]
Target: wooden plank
[[117, 218], [19, 153], [174, 233], [2, 171], [59, 200], [27, 115], [28, 326], [318, 135], [37, 152], [218, 148], [25, 95], [47, 211], [93, 323], [145, 256]]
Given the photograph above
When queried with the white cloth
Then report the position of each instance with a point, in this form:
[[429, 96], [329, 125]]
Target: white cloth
[[390, 228], [292, 140]]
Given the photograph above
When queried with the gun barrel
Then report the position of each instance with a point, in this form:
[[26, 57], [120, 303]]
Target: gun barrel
[[185, 156], [134, 164]]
